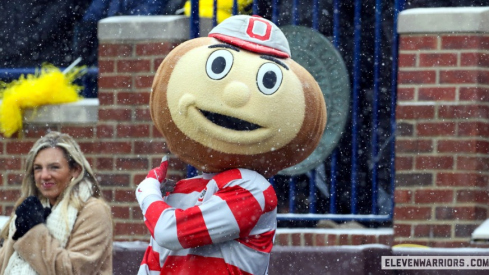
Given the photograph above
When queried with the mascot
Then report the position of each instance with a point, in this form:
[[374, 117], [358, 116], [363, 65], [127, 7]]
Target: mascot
[[235, 106]]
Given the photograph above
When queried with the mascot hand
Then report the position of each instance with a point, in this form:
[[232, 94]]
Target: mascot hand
[[151, 186], [159, 173]]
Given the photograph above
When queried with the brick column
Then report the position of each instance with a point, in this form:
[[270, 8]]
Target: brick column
[[128, 145], [442, 166]]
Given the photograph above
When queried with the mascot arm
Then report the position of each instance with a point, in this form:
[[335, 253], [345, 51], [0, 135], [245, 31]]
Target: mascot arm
[[229, 213]]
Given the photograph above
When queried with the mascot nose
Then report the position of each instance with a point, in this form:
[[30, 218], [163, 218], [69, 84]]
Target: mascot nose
[[236, 94]]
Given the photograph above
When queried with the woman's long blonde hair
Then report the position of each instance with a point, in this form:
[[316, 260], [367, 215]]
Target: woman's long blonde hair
[[74, 156]]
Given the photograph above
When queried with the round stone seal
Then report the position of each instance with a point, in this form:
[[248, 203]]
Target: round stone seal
[[317, 54]]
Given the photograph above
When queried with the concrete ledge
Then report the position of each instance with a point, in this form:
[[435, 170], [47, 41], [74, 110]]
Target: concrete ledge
[[153, 27], [444, 20], [82, 111], [344, 260], [355, 260], [127, 257]]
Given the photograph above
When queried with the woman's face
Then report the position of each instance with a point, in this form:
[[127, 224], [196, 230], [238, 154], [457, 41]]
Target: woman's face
[[52, 173]]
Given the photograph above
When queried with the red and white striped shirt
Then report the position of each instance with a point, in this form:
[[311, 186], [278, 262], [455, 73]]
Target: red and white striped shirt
[[212, 224]]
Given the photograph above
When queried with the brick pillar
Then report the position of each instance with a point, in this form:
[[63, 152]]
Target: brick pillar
[[442, 166], [128, 145]]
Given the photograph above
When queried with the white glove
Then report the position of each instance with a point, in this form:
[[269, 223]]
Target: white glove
[[149, 190]]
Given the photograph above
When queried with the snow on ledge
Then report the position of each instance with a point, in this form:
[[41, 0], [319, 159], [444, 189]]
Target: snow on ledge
[[338, 231], [81, 111], [330, 248], [444, 20], [481, 232], [149, 27], [454, 250], [135, 245]]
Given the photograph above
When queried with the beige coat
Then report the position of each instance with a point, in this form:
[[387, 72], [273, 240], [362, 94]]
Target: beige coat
[[88, 251]]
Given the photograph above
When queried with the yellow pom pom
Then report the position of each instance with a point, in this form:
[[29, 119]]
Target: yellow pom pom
[[48, 86]]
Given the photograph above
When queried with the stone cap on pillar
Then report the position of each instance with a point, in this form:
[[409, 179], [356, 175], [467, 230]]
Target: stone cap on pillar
[[444, 20], [150, 27]]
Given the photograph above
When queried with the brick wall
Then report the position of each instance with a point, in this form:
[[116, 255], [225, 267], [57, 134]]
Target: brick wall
[[442, 114]]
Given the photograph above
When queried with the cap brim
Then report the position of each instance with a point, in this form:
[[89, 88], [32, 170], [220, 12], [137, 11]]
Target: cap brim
[[249, 46]]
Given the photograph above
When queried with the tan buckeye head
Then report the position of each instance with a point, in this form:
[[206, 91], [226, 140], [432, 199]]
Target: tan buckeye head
[[236, 99]]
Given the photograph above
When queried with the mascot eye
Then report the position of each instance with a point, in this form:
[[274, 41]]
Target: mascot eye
[[219, 64], [269, 78]]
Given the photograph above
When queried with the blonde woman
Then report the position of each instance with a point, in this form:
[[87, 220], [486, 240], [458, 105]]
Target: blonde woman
[[60, 224]]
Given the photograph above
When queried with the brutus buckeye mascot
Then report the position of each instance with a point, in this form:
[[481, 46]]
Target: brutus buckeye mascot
[[235, 106]]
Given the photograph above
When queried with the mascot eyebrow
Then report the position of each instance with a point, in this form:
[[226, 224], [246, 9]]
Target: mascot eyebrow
[[266, 57], [273, 59], [224, 46]]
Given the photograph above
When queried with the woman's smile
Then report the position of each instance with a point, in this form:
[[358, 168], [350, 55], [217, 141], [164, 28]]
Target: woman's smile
[[52, 173]]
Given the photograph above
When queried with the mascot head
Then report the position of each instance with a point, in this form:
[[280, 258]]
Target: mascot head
[[236, 99]]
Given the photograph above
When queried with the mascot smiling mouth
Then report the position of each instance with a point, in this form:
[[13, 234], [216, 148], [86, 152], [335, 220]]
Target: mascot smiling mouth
[[230, 122]]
